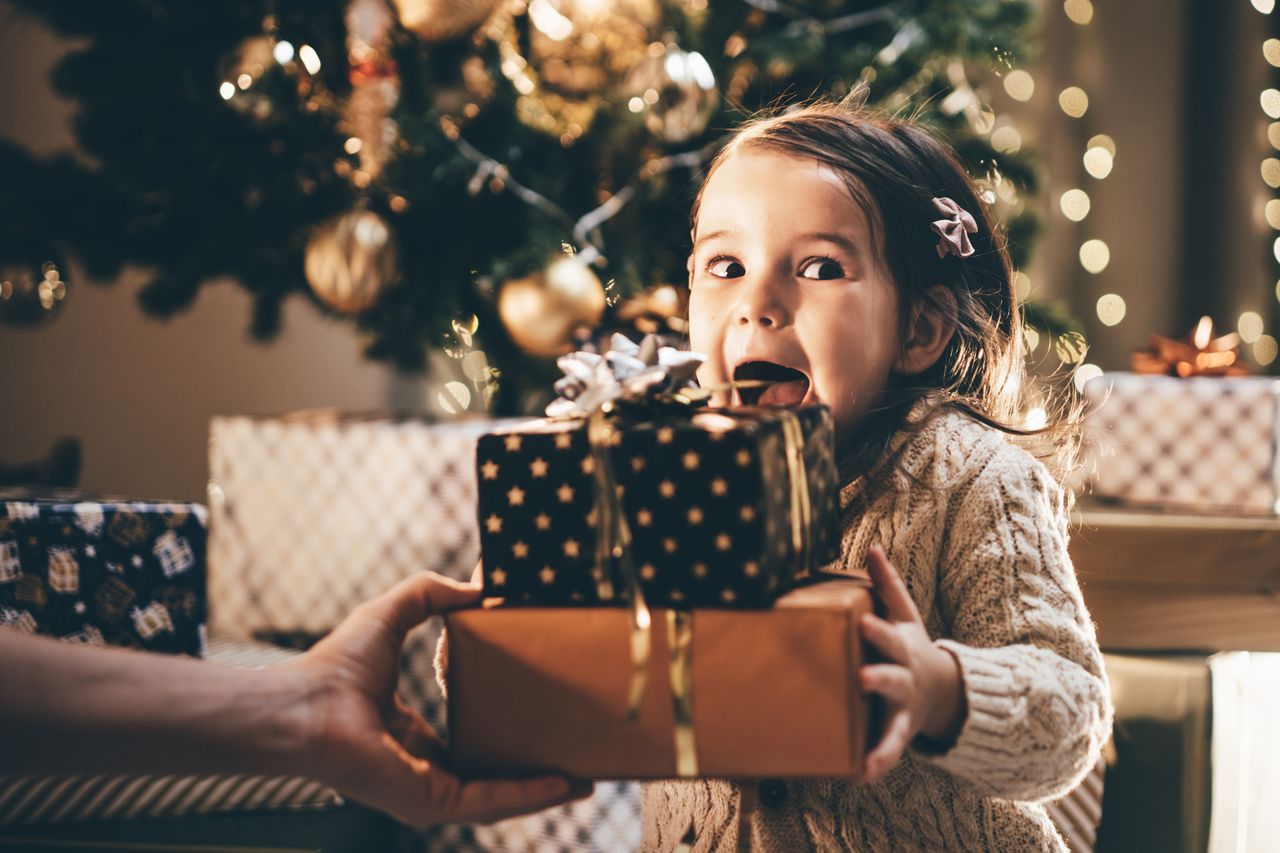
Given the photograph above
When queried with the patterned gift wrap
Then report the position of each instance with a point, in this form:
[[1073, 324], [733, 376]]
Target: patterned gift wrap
[[315, 512], [708, 498], [105, 573], [1202, 443]]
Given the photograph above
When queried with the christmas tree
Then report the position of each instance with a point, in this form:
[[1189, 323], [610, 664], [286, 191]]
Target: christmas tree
[[423, 166]]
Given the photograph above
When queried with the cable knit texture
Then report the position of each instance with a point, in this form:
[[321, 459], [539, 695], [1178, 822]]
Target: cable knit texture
[[978, 529]]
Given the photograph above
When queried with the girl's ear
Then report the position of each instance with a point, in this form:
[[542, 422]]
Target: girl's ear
[[688, 265], [933, 321]]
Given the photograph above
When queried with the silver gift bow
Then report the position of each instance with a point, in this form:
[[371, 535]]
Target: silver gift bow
[[629, 371]]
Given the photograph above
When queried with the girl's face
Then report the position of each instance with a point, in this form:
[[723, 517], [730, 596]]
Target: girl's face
[[785, 288]]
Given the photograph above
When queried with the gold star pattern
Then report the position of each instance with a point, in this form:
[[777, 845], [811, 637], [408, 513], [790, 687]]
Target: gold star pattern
[[751, 568], [723, 542], [670, 545], [729, 596], [538, 467], [493, 523], [677, 595], [489, 470], [747, 513], [542, 521], [719, 486], [647, 572], [516, 496], [620, 490], [571, 547], [644, 518], [520, 550], [637, 463], [513, 443], [699, 570], [498, 576], [564, 441], [591, 518], [695, 515], [547, 574], [667, 489], [743, 458], [588, 465], [565, 493], [716, 435], [692, 461], [666, 435]]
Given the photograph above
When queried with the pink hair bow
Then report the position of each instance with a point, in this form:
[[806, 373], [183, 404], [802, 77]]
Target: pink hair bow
[[953, 232]]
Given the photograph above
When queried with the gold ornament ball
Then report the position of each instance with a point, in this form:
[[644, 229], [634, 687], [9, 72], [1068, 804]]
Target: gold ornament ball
[[441, 20], [351, 260], [676, 90], [540, 312]]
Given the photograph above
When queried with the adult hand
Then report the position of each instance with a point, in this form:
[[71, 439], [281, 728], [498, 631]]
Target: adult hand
[[362, 739], [921, 681]]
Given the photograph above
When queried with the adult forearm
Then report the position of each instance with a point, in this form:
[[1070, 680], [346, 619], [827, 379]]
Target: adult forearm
[[75, 709]]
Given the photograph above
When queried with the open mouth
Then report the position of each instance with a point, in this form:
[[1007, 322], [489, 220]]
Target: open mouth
[[772, 384]]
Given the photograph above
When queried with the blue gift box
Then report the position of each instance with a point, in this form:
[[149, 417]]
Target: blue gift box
[[119, 573]]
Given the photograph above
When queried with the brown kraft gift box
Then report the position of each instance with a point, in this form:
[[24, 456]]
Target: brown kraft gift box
[[774, 692]]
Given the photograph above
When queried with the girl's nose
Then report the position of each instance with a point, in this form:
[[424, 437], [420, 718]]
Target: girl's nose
[[762, 305]]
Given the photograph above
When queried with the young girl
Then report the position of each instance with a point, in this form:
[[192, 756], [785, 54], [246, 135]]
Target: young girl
[[845, 258]]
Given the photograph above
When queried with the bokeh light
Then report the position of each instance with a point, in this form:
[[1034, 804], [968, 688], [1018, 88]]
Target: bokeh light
[[1095, 255], [1075, 103], [1074, 204], [1111, 309], [1020, 85]]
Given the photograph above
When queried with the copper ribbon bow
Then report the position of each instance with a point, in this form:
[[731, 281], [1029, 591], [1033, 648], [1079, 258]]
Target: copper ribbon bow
[[953, 232], [1199, 354]]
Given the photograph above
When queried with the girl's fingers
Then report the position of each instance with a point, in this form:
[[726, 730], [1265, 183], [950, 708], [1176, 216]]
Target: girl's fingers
[[893, 592], [882, 635], [886, 754], [890, 681]]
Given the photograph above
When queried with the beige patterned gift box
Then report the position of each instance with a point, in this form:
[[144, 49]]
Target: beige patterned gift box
[[315, 512], [1201, 443]]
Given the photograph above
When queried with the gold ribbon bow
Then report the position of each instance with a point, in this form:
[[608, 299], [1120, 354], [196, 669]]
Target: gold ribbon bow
[[1199, 354]]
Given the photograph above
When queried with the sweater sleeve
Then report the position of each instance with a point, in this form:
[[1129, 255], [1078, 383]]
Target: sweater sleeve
[[1039, 707]]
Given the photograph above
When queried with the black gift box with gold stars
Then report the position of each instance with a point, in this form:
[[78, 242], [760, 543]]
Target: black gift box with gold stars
[[718, 513]]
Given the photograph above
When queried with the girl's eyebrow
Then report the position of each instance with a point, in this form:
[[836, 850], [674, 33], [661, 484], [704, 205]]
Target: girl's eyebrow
[[833, 237], [723, 232]]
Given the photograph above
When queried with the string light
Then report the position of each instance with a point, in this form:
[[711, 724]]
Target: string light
[[1084, 373], [1264, 6], [1075, 103], [1111, 309], [1095, 255], [1098, 162], [1270, 100], [1079, 11], [1264, 350], [1006, 140], [1101, 140], [1074, 204], [1271, 171], [1020, 85], [1272, 213], [1249, 326], [1271, 51]]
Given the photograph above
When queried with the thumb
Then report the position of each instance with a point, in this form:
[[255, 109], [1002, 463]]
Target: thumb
[[416, 599]]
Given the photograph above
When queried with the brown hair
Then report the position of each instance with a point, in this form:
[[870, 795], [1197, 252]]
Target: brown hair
[[894, 169]]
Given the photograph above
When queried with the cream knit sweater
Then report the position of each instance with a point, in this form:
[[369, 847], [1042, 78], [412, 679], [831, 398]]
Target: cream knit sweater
[[977, 527]]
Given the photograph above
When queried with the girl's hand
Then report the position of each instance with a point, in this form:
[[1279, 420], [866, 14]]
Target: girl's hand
[[361, 738], [921, 683]]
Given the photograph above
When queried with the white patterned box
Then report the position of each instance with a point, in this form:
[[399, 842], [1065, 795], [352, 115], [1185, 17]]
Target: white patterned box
[[313, 513], [1202, 443]]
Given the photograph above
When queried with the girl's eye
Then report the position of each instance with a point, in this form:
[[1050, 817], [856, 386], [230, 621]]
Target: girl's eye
[[821, 269], [725, 268]]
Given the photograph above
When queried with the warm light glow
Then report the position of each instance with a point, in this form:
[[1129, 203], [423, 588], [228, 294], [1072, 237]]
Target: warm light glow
[[1101, 140], [1272, 212], [1031, 338], [1270, 100], [227, 90], [1084, 373], [547, 18], [244, 81], [1098, 162], [1020, 85], [1271, 50], [1264, 6], [635, 105], [1111, 309], [1006, 140], [1271, 171], [1249, 326], [1074, 204], [1275, 249], [310, 59], [1095, 255], [1021, 285], [1264, 350], [1036, 418], [1273, 134], [352, 145], [1073, 101], [1078, 11], [283, 52]]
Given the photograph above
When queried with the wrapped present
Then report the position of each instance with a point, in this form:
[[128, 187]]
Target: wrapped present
[[1187, 429], [114, 572], [532, 690], [315, 512], [628, 487]]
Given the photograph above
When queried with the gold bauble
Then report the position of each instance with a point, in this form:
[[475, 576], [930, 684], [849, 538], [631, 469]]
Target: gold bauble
[[678, 91], [441, 20], [351, 260], [540, 312]]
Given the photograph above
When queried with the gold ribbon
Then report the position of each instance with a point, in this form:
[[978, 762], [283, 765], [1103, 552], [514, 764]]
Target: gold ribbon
[[1199, 354], [613, 543]]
